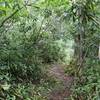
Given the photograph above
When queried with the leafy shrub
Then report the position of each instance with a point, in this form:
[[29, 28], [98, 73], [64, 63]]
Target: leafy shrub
[[52, 52], [88, 85], [24, 91]]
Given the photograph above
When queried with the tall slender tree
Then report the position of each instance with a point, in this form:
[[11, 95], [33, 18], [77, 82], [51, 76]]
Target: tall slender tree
[[83, 14]]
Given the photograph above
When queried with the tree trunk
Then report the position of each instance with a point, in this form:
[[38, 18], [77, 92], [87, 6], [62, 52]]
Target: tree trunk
[[79, 49], [99, 53]]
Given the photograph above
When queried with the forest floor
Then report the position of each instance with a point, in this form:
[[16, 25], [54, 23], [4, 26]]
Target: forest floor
[[64, 91]]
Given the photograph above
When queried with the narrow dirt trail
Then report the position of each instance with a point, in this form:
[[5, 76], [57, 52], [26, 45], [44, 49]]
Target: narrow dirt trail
[[60, 93]]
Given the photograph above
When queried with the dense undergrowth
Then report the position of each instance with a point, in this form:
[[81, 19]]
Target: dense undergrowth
[[87, 84]]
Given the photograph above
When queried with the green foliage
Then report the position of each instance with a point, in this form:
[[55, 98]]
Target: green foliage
[[88, 85], [53, 52], [27, 91]]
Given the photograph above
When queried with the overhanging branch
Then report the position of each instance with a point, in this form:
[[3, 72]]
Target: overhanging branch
[[10, 16]]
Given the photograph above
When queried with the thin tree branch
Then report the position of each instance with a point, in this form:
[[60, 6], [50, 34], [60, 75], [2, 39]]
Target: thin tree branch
[[10, 16]]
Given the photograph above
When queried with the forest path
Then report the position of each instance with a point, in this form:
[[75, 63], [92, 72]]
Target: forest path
[[60, 93]]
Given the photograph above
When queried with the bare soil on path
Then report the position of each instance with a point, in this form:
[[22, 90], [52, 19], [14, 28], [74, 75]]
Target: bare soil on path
[[57, 71]]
